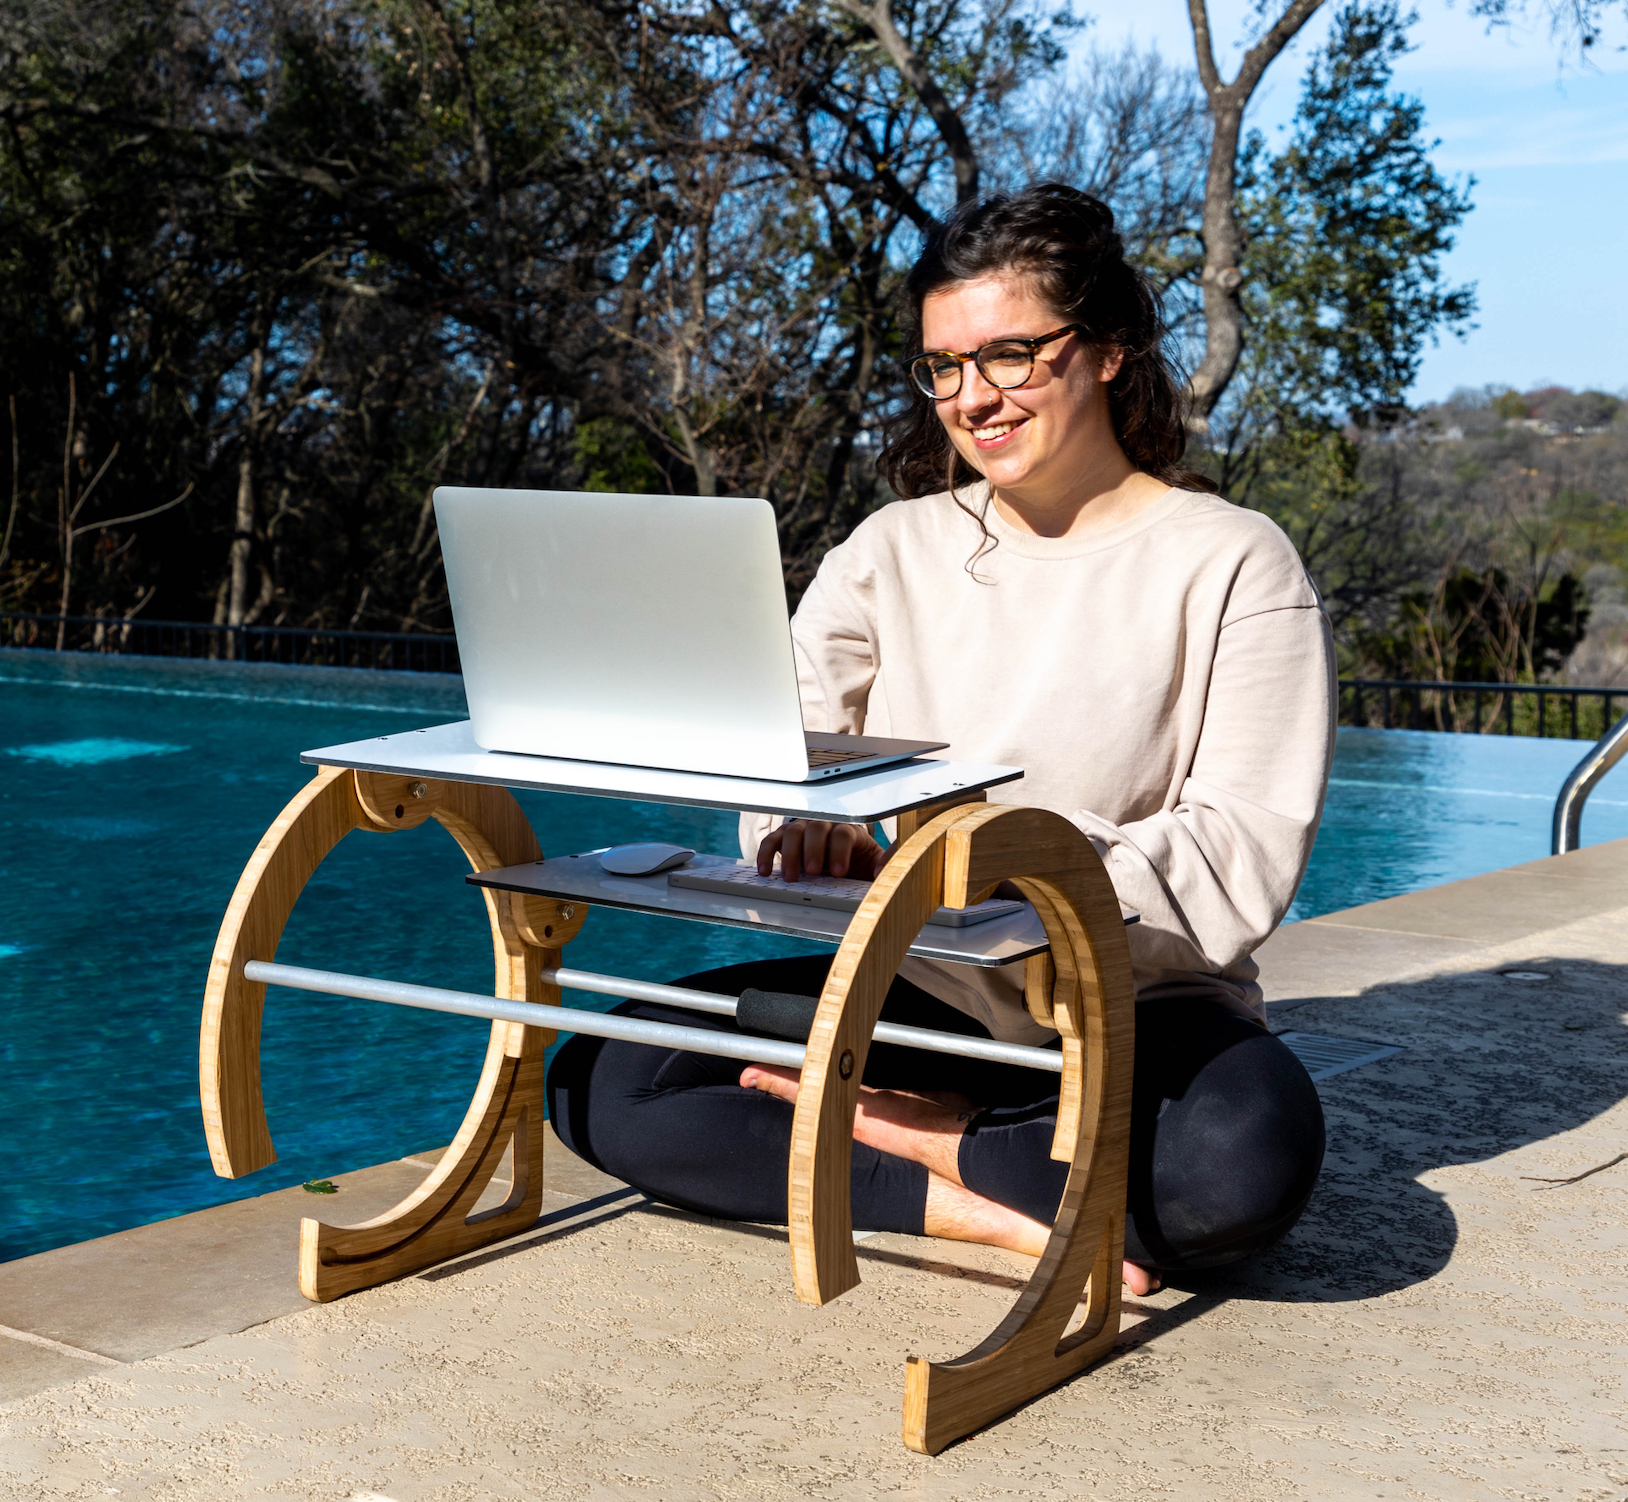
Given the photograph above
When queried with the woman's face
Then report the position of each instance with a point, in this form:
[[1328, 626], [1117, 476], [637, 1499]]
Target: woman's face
[[1039, 439]]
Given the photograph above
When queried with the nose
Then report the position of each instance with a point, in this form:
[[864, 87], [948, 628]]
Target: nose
[[976, 394]]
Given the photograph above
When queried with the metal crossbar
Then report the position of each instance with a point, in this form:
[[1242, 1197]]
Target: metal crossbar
[[634, 1029]]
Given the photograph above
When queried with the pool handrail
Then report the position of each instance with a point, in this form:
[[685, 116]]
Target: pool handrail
[[1602, 756]]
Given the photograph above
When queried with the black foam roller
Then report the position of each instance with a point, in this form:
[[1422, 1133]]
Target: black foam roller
[[776, 1014]]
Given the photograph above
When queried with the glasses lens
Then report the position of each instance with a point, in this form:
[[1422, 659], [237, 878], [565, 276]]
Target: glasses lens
[[938, 376], [1006, 365]]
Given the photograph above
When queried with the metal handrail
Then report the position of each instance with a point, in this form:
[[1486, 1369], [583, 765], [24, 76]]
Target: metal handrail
[[1574, 791]]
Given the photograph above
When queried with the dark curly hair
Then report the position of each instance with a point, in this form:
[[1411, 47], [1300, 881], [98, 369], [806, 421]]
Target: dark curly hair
[[1065, 242]]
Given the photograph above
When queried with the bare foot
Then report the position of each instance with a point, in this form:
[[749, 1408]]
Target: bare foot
[[1141, 1280], [957, 1214], [927, 1129], [773, 1079]]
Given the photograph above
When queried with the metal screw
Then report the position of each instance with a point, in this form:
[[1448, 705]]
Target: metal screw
[[420, 790], [845, 1065], [567, 912]]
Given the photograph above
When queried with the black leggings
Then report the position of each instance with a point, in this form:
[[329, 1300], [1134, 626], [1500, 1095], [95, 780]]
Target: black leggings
[[1226, 1126]]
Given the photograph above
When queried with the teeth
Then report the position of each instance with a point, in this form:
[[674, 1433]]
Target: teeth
[[1000, 430]]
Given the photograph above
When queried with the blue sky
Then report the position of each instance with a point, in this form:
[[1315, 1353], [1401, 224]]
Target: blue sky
[[1547, 241]]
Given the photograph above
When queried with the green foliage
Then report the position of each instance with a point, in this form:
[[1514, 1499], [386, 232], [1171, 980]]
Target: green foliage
[[1343, 288], [613, 457], [1594, 528], [1343, 284], [1480, 628], [310, 260]]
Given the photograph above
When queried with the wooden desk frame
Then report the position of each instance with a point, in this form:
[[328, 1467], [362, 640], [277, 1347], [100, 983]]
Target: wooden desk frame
[[951, 855]]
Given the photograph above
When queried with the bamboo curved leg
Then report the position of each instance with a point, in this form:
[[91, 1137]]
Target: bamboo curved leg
[[435, 1221], [957, 858]]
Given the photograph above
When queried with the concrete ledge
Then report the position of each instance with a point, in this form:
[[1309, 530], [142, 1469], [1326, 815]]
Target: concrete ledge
[[1343, 953], [173, 1283]]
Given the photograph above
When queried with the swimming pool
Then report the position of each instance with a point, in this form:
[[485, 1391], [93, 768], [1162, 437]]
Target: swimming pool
[[135, 788]]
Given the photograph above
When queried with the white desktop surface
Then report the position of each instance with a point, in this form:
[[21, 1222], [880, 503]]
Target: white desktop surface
[[449, 752]]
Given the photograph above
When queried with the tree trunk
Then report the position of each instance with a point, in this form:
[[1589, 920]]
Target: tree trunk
[[1223, 239], [914, 71], [237, 596], [1223, 248]]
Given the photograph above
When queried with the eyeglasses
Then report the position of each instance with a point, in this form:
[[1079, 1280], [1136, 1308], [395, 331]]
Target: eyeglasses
[[1004, 363]]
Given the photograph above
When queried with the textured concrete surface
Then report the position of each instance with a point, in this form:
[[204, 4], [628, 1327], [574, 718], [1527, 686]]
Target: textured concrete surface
[[1445, 1322]]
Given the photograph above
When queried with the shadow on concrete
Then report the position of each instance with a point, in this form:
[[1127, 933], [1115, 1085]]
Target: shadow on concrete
[[612, 1206], [1490, 1064]]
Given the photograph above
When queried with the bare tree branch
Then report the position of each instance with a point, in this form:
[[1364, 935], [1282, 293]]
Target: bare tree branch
[[879, 17]]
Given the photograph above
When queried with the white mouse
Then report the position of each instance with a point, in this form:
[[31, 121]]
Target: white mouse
[[643, 860]]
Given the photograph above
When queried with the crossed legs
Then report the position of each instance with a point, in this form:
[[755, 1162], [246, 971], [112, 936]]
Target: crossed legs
[[927, 1128], [1226, 1137]]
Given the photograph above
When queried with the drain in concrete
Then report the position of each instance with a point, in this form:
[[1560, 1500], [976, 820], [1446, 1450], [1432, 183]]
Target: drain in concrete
[[1324, 1056]]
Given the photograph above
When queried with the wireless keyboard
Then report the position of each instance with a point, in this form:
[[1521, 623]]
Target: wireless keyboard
[[841, 894]]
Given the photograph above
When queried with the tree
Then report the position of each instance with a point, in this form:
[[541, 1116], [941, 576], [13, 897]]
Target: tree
[[1222, 277], [1576, 26], [338, 255], [1480, 627], [1346, 229], [1345, 232], [1132, 130]]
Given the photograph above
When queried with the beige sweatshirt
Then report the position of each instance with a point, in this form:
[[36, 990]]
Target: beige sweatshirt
[[1166, 684]]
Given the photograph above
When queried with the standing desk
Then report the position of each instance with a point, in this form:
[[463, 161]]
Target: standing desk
[[953, 849]]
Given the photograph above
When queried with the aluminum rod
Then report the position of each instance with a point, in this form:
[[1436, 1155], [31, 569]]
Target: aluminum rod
[[568, 1019], [1567, 832], [599, 1025], [961, 1046], [641, 990]]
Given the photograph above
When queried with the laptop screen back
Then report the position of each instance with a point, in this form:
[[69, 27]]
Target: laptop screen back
[[642, 629]]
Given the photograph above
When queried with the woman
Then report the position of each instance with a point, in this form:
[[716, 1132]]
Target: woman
[[1057, 595]]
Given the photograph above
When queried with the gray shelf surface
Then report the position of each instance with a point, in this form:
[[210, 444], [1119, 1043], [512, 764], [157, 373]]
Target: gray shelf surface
[[449, 752], [1001, 941]]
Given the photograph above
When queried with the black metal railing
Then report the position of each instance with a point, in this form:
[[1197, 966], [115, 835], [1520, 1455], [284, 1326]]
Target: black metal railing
[[306, 646], [1538, 709]]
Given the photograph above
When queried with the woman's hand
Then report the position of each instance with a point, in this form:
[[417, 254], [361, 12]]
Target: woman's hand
[[809, 848]]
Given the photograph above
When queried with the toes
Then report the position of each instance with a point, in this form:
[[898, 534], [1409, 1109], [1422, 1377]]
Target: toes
[[771, 1081], [1141, 1280]]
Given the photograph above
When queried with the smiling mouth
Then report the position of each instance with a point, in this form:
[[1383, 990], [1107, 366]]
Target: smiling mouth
[[995, 432]]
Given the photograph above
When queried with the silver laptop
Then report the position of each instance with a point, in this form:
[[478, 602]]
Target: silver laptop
[[648, 630]]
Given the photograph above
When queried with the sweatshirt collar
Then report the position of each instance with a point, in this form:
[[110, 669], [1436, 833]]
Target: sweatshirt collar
[[1028, 545]]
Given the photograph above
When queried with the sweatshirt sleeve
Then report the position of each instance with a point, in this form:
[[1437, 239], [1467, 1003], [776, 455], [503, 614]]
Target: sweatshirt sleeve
[[834, 647], [1213, 874]]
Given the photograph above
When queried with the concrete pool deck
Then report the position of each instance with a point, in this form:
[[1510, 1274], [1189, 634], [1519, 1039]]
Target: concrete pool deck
[[1444, 1322]]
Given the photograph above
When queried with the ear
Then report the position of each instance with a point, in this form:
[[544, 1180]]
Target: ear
[[1112, 358]]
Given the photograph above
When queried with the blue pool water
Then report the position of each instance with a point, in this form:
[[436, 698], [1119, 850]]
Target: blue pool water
[[132, 791]]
